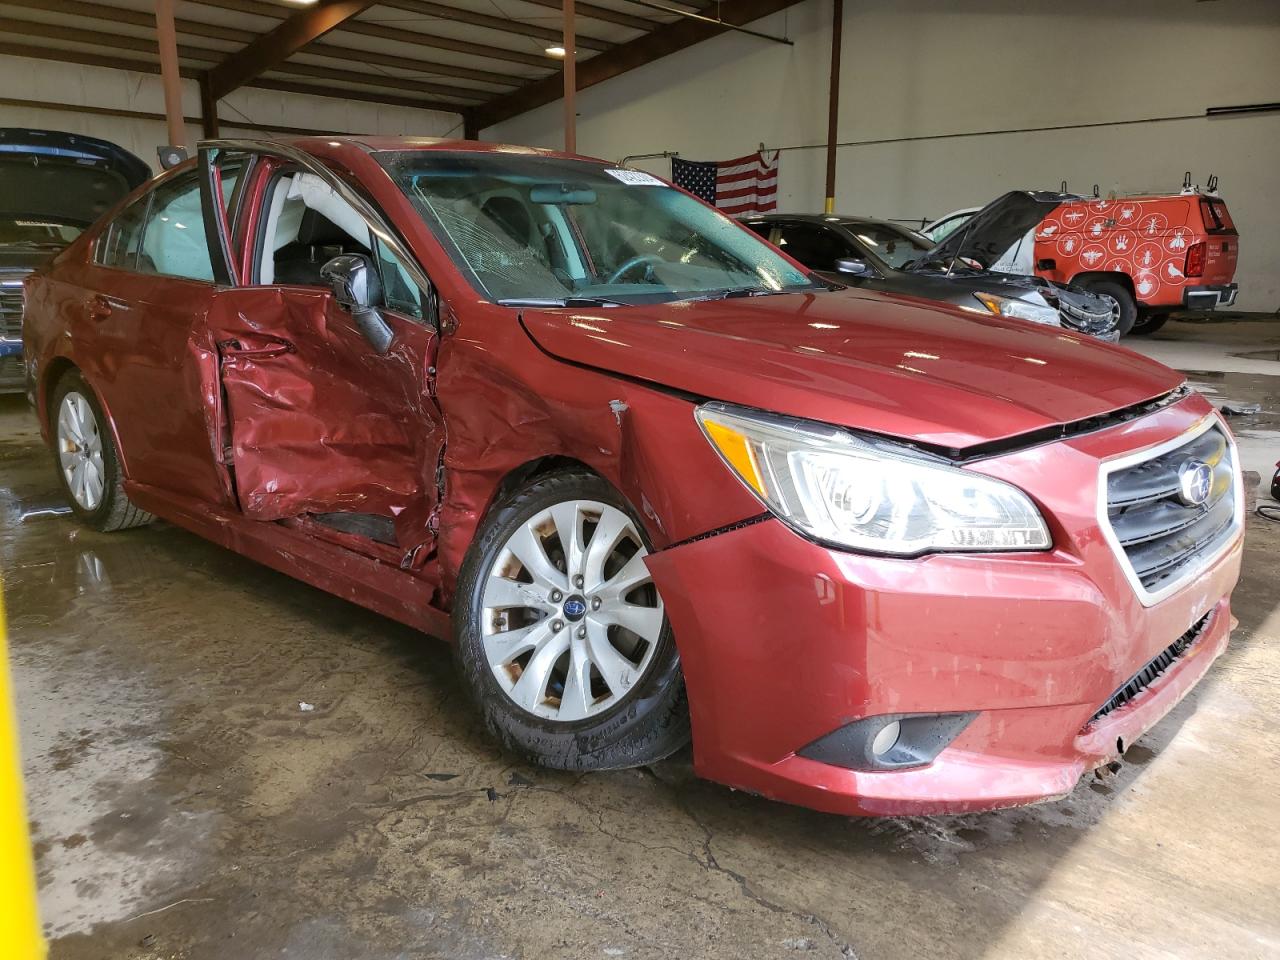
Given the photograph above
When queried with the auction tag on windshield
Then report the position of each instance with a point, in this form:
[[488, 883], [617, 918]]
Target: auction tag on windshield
[[635, 178]]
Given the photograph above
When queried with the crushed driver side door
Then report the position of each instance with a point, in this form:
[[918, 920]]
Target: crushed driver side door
[[319, 427]]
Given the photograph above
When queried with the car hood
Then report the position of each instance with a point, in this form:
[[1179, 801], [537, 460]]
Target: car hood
[[993, 229], [47, 175], [893, 365]]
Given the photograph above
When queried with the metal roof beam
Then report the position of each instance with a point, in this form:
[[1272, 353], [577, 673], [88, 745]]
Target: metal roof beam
[[273, 48]]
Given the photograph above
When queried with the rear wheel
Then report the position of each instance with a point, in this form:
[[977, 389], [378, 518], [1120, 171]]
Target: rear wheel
[[560, 631], [1117, 291], [1149, 324], [86, 458]]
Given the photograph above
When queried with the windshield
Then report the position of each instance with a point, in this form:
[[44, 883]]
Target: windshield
[[37, 233], [889, 244], [944, 228], [528, 229]]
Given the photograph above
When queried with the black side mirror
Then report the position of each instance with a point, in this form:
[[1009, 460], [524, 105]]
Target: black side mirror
[[358, 290], [854, 267]]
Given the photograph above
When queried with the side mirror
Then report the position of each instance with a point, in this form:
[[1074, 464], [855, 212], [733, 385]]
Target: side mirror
[[854, 267], [356, 287]]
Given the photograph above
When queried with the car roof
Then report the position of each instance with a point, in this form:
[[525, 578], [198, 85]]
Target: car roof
[[835, 219], [384, 144]]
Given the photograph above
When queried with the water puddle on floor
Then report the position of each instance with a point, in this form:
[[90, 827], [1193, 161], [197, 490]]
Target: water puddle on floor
[[1257, 431]]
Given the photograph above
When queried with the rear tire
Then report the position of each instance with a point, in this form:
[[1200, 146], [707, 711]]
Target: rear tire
[[85, 457], [1121, 295], [543, 615], [1149, 324]]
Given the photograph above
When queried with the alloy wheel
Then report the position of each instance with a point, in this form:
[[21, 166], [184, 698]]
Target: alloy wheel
[[1115, 309], [80, 451], [571, 616]]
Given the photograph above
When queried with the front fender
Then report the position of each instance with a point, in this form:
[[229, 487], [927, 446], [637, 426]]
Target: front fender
[[507, 404]]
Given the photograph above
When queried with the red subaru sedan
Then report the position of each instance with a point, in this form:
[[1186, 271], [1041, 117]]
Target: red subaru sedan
[[873, 555]]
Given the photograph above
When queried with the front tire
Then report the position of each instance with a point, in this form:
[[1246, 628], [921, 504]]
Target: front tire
[[86, 459], [560, 634]]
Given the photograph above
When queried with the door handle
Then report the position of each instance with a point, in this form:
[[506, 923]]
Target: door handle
[[100, 307], [274, 347]]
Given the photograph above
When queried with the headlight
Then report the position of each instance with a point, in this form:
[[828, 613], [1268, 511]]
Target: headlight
[[1019, 309], [869, 494]]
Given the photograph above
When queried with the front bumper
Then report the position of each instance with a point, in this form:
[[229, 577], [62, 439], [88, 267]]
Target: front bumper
[[1210, 297], [782, 641]]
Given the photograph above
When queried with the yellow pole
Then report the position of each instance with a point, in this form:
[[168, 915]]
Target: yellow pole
[[19, 920]]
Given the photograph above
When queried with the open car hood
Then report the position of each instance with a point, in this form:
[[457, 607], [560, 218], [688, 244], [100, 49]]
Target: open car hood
[[893, 365], [66, 178], [995, 228]]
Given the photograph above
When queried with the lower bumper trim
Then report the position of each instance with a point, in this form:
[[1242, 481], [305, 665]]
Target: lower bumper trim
[[1153, 669], [921, 737], [1209, 297]]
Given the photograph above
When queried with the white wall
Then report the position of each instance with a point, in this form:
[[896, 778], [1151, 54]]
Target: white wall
[[50, 82], [926, 68]]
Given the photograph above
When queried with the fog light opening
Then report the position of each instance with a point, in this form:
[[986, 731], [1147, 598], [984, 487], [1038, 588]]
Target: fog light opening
[[886, 739]]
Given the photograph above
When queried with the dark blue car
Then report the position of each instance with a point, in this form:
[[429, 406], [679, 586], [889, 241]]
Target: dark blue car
[[52, 186]]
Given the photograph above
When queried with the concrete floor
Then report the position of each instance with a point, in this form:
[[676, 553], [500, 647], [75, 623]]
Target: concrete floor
[[225, 763]]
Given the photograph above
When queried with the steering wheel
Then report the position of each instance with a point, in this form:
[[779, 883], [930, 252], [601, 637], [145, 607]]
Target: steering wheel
[[631, 263]]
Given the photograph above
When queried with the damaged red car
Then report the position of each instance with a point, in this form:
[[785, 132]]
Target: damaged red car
[[872, 554]]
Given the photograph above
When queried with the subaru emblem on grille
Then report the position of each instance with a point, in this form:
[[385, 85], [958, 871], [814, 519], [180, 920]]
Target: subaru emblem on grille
[[1195, 479]]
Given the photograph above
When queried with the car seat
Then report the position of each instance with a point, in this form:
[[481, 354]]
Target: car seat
[[319, 240]]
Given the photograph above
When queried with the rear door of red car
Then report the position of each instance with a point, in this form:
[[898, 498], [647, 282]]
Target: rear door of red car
[[143, 293], [318, 426]]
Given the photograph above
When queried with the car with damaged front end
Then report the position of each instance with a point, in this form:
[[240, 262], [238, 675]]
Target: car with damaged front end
[[881, 255], [656, 481]]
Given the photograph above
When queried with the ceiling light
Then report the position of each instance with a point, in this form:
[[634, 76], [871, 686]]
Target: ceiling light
[[556, 51]]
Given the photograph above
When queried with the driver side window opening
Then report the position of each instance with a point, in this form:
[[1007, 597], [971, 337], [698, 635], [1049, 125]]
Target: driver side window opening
[[307, 223], [814, 246]]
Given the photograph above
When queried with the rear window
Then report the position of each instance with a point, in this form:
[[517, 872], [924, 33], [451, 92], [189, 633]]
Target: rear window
[[1216, 217]]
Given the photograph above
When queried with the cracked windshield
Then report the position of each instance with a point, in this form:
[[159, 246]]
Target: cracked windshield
[[546, 231]]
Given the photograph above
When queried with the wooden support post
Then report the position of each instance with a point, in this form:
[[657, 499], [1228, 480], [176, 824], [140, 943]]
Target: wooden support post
[[208, 109], [570, 81], [171, 80], [833, 106]]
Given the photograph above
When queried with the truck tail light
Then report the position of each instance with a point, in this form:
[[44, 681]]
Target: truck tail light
[[1195, 260]]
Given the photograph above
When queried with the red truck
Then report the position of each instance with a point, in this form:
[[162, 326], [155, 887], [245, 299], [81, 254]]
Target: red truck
[[1152, 254]]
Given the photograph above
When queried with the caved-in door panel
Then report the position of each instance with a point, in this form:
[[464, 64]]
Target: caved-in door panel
[[318, 421]]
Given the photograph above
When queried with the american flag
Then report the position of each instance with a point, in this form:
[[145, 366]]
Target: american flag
[[742, 187]]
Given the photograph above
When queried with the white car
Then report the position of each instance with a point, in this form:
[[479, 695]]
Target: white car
[[941, 228]]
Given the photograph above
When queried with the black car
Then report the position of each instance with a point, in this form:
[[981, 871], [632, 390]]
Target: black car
[[52, 186], [880, 255]]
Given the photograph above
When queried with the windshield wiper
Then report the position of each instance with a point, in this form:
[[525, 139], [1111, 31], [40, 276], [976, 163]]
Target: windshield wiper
[[560, 302], [734, 293]]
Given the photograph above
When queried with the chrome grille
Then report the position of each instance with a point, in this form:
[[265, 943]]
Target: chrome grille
[[1079, 317], [1162, 537], [11, 309], [1153, 668]]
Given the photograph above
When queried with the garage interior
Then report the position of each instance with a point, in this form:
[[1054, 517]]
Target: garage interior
[[219, 760]]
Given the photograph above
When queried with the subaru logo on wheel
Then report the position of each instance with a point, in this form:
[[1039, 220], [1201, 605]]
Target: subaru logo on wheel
[[1195, 479]]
